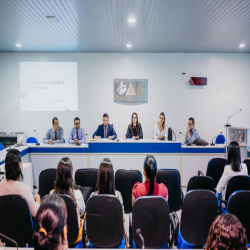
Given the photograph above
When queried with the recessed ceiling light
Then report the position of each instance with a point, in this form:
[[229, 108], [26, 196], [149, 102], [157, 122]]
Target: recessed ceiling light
[[242, 45], [19, 45], [129, 45], [131, 20], [52, 19]]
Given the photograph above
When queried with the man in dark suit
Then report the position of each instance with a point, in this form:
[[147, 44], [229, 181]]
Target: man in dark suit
[[105, 130]]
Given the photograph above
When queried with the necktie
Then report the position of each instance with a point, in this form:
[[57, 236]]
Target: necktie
[[105, 132], [77, 135], [55, 135]]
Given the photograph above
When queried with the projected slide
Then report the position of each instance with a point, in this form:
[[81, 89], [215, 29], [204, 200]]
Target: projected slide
[[48, 86]]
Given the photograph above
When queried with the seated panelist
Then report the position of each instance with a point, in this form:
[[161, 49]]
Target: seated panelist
[[160, 132], [192, 133], [55, 133], [105, 130], [134, 130], [77, 134]]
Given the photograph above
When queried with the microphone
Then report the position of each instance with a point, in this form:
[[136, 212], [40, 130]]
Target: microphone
[[11, 240], [188, 144], [229, 125], [38, 144], [212, 144], [138, 232], [113, 139]]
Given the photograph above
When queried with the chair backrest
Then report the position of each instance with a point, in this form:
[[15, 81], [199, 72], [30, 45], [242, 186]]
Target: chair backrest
[[104, 221], [220, 139], [86, 192], [215, 169], [247, 162], [199, 209], [15, 219], [151, 215], [46, 181], [172, 180], [200, 182], [236, 183], [86, 177], [239, 205], [31, 140], [1, 146], [124, 182], [63, 140], [72, 220]]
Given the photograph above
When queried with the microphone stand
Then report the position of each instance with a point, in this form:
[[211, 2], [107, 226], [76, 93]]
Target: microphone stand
[[38, 144], [212, 144], [188, 144]]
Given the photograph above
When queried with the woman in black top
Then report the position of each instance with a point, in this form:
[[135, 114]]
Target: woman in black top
[[134, 130]]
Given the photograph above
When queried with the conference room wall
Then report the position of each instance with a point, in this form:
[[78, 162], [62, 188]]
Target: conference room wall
[[227, 91]]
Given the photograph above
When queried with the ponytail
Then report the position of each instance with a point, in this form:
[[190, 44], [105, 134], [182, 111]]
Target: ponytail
[[150, 168]]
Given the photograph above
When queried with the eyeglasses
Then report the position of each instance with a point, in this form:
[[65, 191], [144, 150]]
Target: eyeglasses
[[56, 123], [162, 118], [134, 117], [77, 123], [190, 123]]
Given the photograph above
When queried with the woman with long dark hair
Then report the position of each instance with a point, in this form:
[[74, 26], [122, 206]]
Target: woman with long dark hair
[[134, 130], [64, 185], [51, 225], [233, 168], [149, 187], [227, 233], [105, 183]]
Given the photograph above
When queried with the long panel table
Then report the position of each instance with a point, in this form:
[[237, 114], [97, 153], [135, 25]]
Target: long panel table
[[124, 154]]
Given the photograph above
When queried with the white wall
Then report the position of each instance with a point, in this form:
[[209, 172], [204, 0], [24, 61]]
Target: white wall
[[227, 91]]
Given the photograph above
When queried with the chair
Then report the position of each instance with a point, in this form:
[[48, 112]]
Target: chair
[[31, 140], [104, 221], [15, 220], [200, 182], [239, 205], [1, 146], [124, 182], [247, 162], [199, 210], [63, 140], [172, 180], [86, 192], [151, 216], [215, 169], [72, 220], [46, 181], [86, 177], [236, 183], [220, 139]]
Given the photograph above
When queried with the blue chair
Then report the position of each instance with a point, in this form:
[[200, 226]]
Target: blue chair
[[1, 146], [31, 140], [199, 210], [220, 139], [239, 205], [63, 140]]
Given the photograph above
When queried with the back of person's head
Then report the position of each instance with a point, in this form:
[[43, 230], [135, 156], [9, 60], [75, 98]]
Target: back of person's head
[[105, 183], [13, 165], [64, 179], [226, 232], [234, 158], [50, 226], [150, 168]]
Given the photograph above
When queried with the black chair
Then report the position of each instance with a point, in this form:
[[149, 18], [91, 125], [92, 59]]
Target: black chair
[[86, 192], [199, 209], [247, 162], [86, 177], [239, 205], [151, 216], [236, 183], [124, 182], [200, 182], [15, 220], [172, 180], [46, 181], [72, 220], [215, 169], [104, 221]]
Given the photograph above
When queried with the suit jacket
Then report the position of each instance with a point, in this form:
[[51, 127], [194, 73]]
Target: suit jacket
[[100, 131]]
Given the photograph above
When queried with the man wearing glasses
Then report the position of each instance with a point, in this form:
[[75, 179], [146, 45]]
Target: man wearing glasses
[[192, 133], [54, 134], [77, 134]]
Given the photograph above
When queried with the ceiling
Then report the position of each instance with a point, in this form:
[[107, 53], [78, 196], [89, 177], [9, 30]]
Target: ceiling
[[162, 26]]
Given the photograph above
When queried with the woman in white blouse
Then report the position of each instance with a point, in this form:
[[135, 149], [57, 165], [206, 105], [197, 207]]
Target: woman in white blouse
[[233, 168], [160, 132]]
